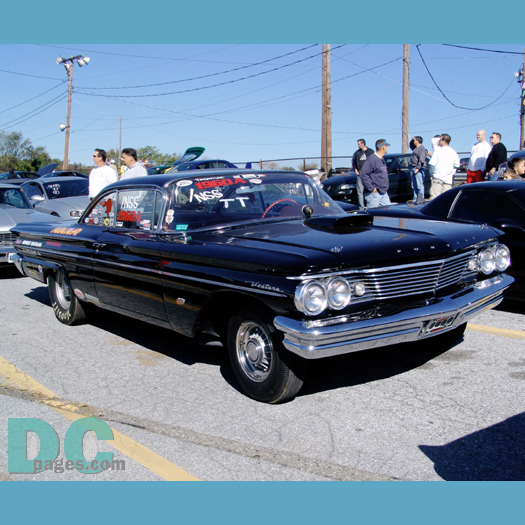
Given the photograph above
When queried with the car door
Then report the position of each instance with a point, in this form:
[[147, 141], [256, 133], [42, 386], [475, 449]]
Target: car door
[[399, 178], [494, 208], [36, 196], [126, 262]]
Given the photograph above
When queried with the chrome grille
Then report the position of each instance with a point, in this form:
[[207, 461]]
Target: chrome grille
[[7, 239], [422, 278]]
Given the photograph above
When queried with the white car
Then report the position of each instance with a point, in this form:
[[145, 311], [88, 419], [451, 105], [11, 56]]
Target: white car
[[64, 197]]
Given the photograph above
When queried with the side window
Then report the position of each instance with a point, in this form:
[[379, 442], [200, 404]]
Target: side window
[[136, 209], [485, 207], [103, 213]]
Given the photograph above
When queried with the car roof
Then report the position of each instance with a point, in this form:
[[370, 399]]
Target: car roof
[[47, 180], [7, 185], [500, 185], [519, 154], [164, 179]]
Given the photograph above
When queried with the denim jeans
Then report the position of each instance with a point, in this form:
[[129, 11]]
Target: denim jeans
[[374, 200], [418, 184], [360, 192]]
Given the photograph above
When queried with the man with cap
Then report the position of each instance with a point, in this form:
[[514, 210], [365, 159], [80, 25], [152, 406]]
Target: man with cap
[[375, 177]]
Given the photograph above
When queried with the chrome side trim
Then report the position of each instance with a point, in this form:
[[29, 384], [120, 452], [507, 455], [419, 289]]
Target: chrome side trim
[[158, 272], [306, 340]]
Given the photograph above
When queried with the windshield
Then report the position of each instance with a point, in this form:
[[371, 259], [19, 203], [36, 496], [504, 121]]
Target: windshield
[[14, 198], [206, 201], [67, 188]]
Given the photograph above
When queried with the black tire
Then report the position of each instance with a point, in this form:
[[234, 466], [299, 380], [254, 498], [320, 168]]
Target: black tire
[[265, 370], [67, 307]]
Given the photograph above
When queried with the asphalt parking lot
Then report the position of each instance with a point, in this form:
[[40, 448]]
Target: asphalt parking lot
[[410, 412]]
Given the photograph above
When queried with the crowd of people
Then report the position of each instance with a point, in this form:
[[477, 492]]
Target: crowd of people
[[484, 161], [106, 171]]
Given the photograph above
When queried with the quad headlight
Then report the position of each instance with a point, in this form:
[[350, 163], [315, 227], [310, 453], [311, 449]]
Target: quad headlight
[[488, 260], [313, 297], [502, 254]]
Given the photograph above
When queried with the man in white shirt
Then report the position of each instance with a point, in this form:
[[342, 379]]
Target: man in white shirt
[[100, 176], [445, 161], [478, 159], [135, 169]]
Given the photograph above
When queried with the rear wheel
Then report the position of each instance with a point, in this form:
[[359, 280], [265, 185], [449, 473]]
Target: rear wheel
[[67, 307], [264, 368]]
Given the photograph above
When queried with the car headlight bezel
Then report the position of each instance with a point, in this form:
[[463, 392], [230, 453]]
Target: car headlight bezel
[[339, 293], [502, 256]]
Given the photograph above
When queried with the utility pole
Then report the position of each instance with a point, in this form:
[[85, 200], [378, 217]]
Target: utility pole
[[522, 104], [68, 118], [68, 63], [406, 86], [119, 147], [326, 138]]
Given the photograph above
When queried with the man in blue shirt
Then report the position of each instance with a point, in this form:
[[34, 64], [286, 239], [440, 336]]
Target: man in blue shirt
[[375, 177]]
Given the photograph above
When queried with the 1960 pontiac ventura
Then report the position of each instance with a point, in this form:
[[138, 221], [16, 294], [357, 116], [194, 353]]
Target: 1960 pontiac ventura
[[268, 263]]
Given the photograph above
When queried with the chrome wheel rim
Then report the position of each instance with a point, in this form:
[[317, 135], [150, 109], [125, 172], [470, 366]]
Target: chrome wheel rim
[[254, 351], [63, 292]]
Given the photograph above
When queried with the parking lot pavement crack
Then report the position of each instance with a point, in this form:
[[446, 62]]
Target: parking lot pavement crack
[[283, 458]]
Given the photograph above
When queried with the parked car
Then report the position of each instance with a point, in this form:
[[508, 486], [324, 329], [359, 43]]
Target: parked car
[[189, 154], [64, 197], [65, 174], [14, 209], [499, 204], [502, 168], [19, 178], [202, 165], [269, 265], [344, 187]]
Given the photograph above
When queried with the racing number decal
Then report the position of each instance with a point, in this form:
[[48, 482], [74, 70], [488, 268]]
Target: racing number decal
[[133, 216], [207, 184]]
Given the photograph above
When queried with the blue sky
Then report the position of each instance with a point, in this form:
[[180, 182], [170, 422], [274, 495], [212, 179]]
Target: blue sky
[[246, 102]]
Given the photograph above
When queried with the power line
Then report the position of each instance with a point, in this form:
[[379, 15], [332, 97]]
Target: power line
[[486, 50], [29, 115], [208, 87], [447, 99], [34, 98], [210, 75]]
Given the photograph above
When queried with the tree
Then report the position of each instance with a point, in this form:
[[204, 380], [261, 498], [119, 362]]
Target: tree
[[152, 153], [13, 149], [309, 166], [37, 157]]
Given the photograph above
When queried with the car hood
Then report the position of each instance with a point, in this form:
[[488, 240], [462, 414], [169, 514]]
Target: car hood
[[337, 180], [75, 203], [10, 217], [319, 244]]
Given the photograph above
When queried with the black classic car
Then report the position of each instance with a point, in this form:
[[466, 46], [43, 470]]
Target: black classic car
[[267, 264], [500, 204], [344, 187]]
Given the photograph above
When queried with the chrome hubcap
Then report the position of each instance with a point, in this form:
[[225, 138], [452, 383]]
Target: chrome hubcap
[[63, 292], [254, 351]]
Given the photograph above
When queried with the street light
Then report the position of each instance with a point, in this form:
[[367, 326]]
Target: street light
[[68, 64]]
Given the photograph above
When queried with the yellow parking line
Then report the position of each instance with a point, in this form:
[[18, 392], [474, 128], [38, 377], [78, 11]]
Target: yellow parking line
[[134, 450], [515, 334]]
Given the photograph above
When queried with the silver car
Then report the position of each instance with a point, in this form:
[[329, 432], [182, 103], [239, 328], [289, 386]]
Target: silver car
[[65, 197], [15, 209]]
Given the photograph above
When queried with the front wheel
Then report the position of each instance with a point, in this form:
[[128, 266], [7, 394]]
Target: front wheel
[[67, 307], [264, 368]]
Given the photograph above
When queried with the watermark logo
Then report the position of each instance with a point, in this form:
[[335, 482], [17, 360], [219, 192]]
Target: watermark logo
[[46, 458]]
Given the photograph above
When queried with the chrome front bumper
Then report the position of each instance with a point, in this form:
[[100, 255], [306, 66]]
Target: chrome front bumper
[[312, 340]]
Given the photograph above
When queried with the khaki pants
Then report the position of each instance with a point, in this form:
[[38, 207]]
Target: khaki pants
[[438, 187]]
